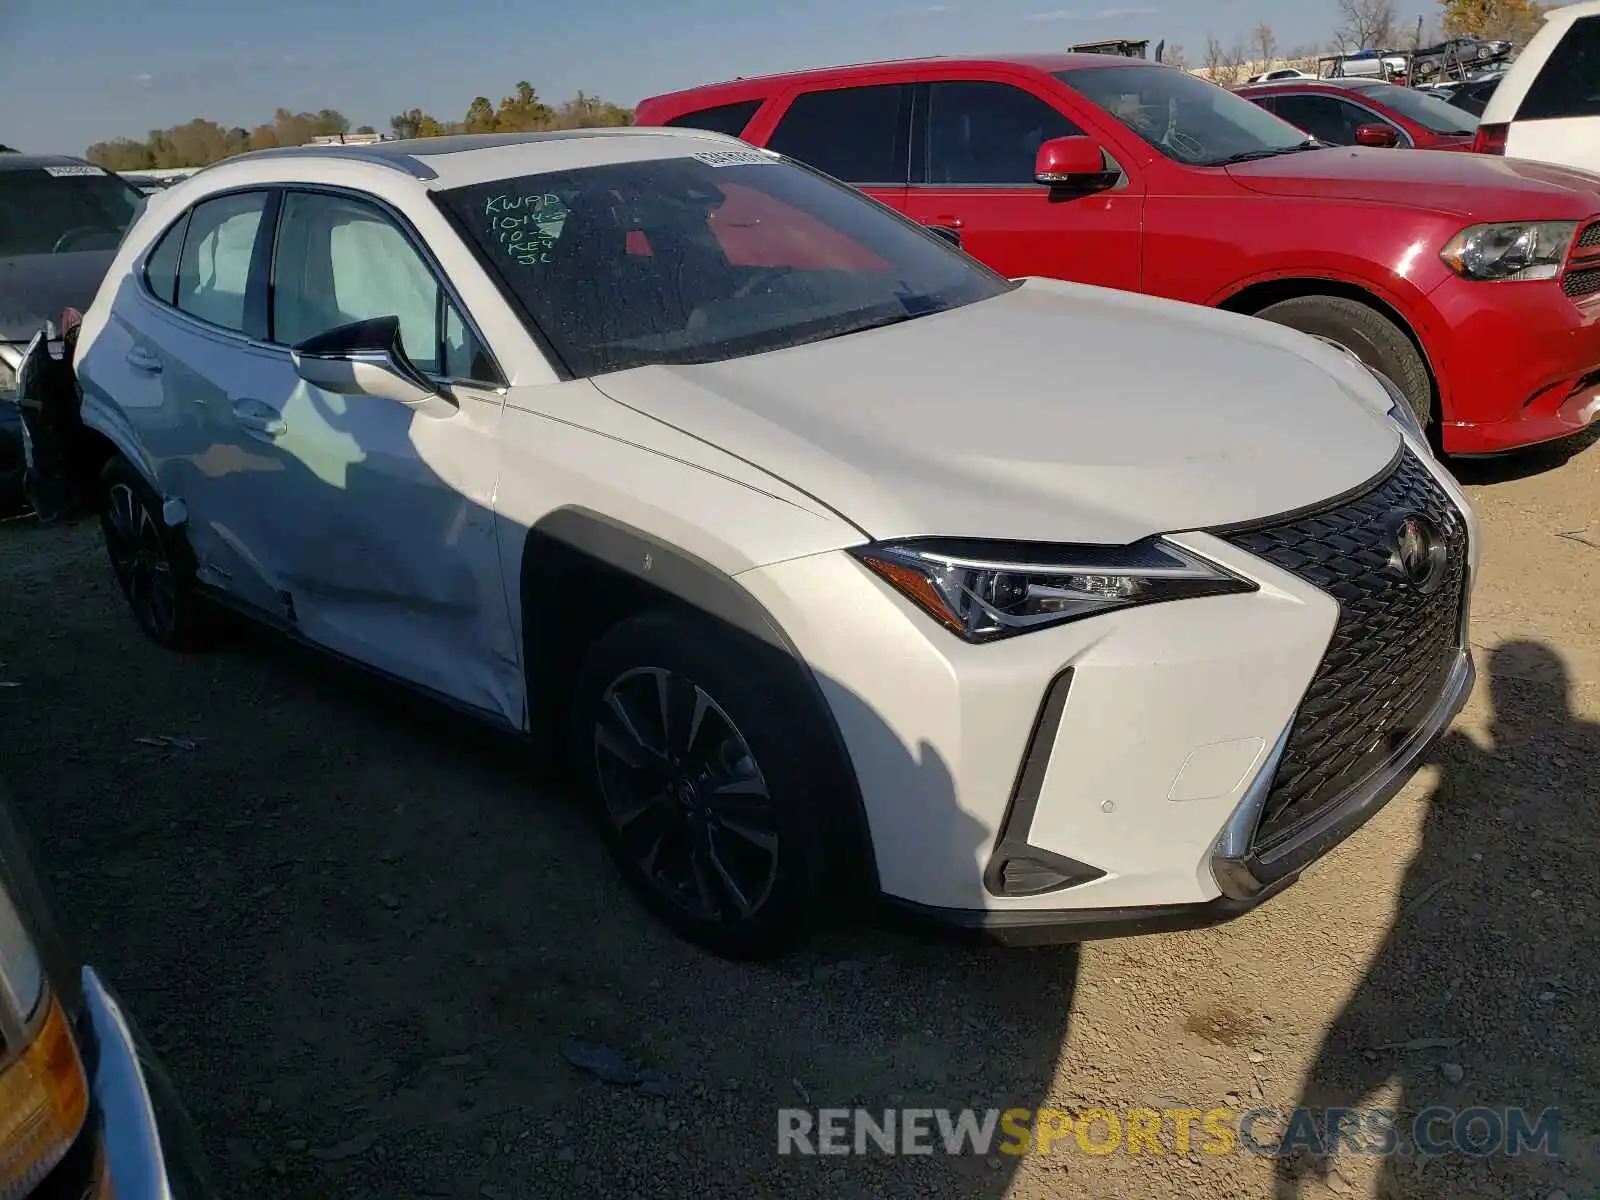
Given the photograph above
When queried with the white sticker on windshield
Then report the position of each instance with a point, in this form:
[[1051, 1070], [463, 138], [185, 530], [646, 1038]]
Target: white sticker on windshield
[[80, 169], [733, 158]]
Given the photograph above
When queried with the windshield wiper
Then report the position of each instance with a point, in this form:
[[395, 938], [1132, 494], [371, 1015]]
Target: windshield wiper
[[1253, 155]]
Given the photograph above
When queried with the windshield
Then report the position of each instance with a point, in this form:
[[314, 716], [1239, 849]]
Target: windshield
[[1428, 111], [707, 257], [1185, 118], [59, 209]]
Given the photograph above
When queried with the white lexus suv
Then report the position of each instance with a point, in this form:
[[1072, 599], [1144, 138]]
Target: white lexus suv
[[834, 563]]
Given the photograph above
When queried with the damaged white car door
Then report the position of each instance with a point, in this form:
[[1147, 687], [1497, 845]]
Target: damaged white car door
[[379, 524]]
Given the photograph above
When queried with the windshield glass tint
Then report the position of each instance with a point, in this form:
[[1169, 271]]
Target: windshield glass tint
[[1428, 111], [704, 258], [1185, 118], [44, 213]]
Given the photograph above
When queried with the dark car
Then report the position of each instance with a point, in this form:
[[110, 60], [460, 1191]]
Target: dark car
[[61, 220], [1366, 112], [85, 1110], [1471, 96]]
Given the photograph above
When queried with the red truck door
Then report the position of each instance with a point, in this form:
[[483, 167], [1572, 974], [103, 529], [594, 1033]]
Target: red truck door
[[973, 147]]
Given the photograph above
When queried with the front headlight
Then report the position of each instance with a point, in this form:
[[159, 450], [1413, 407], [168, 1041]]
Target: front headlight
[[984, 591], [1517, 250]]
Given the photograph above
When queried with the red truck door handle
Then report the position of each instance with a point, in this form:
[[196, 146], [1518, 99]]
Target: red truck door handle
[[949, 228]]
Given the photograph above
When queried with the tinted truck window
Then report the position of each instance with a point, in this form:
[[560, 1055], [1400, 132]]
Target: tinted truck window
[[858, 135], [724, 118], [1569, 85]]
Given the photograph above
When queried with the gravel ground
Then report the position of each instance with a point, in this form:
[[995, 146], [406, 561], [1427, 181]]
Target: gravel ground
[[359, 936]]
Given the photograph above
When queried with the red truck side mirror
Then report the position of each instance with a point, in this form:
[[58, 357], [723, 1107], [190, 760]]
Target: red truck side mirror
[[1070, 162], [1380, 136]]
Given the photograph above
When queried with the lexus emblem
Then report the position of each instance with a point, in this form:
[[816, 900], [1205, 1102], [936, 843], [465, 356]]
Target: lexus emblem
[[1418, 552]]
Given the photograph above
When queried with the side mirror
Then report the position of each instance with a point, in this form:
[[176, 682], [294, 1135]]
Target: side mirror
[[363, 359], [1070, 162], [1380, 136]]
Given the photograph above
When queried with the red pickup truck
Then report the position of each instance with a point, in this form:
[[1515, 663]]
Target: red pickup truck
[[1472, 282]]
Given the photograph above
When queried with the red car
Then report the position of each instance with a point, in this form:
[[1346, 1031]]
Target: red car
[[1366, 112], [1472, 282]]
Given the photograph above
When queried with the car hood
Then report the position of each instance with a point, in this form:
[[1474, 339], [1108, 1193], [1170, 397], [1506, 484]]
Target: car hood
[[1055, 412], [1472, 185], [35, 288]]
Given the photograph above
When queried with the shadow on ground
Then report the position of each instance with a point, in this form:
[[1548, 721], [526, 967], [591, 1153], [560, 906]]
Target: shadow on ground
[[1473, 993]]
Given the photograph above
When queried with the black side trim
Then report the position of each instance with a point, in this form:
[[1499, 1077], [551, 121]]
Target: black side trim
[[1046, 927], [1040, 871]]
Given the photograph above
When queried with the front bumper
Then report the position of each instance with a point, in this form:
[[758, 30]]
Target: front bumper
[[1518, 364], [1130, 754], [1246, 879]]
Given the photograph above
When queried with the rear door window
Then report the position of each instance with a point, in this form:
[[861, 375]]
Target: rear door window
[[161, 265], [724, 118], [214, 269], [1569, 85], [860, 135]]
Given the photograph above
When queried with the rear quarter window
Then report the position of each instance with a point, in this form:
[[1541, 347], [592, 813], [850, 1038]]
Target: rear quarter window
[[724, 118], [1569, 83]]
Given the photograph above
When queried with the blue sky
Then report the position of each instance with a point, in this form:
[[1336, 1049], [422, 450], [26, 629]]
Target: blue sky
[[91, 69]]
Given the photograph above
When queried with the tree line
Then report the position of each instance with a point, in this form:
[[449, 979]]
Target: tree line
[[201, 142]]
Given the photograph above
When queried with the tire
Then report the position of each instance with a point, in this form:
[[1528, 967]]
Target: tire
[[1369, 335], [153, 564], [730, 837]]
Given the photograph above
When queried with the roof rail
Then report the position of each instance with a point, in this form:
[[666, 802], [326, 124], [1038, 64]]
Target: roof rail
[[403, 163]]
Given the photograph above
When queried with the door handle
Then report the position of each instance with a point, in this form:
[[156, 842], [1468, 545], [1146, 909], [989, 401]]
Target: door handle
[[143, 360], [949, 228], [259, 417]]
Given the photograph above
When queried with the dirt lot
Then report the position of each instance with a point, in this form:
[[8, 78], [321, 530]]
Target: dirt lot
[[359, 936]]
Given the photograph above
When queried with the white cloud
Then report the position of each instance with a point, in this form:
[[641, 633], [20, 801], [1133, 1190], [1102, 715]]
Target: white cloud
[[1110, 14], [1059, 14], [145, 77]]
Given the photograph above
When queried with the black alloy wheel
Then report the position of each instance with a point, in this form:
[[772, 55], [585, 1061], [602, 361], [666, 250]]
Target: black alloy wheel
[[685, 796], [139, 559], [714, 782], [152, 563]]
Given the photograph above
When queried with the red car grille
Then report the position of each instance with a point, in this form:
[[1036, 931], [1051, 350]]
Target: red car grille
[[1583, 265], [1581, 283]]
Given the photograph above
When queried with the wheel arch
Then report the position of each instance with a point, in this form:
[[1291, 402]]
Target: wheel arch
[[1253, 298], [581, 572]]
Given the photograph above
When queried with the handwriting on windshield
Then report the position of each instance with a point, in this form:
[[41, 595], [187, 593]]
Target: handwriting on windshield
[[526, 226]]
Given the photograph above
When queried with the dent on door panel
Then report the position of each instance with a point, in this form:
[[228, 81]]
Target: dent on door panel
[[399, 564]]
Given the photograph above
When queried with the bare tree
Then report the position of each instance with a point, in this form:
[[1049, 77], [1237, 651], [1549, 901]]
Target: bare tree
[[1264, 42], [1216, 59], [1235, 69], [1176, 56], [1366, 24]]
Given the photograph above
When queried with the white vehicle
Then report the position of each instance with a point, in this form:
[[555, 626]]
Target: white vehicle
[[1280, 73], [1547, 106], [840, 564]]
